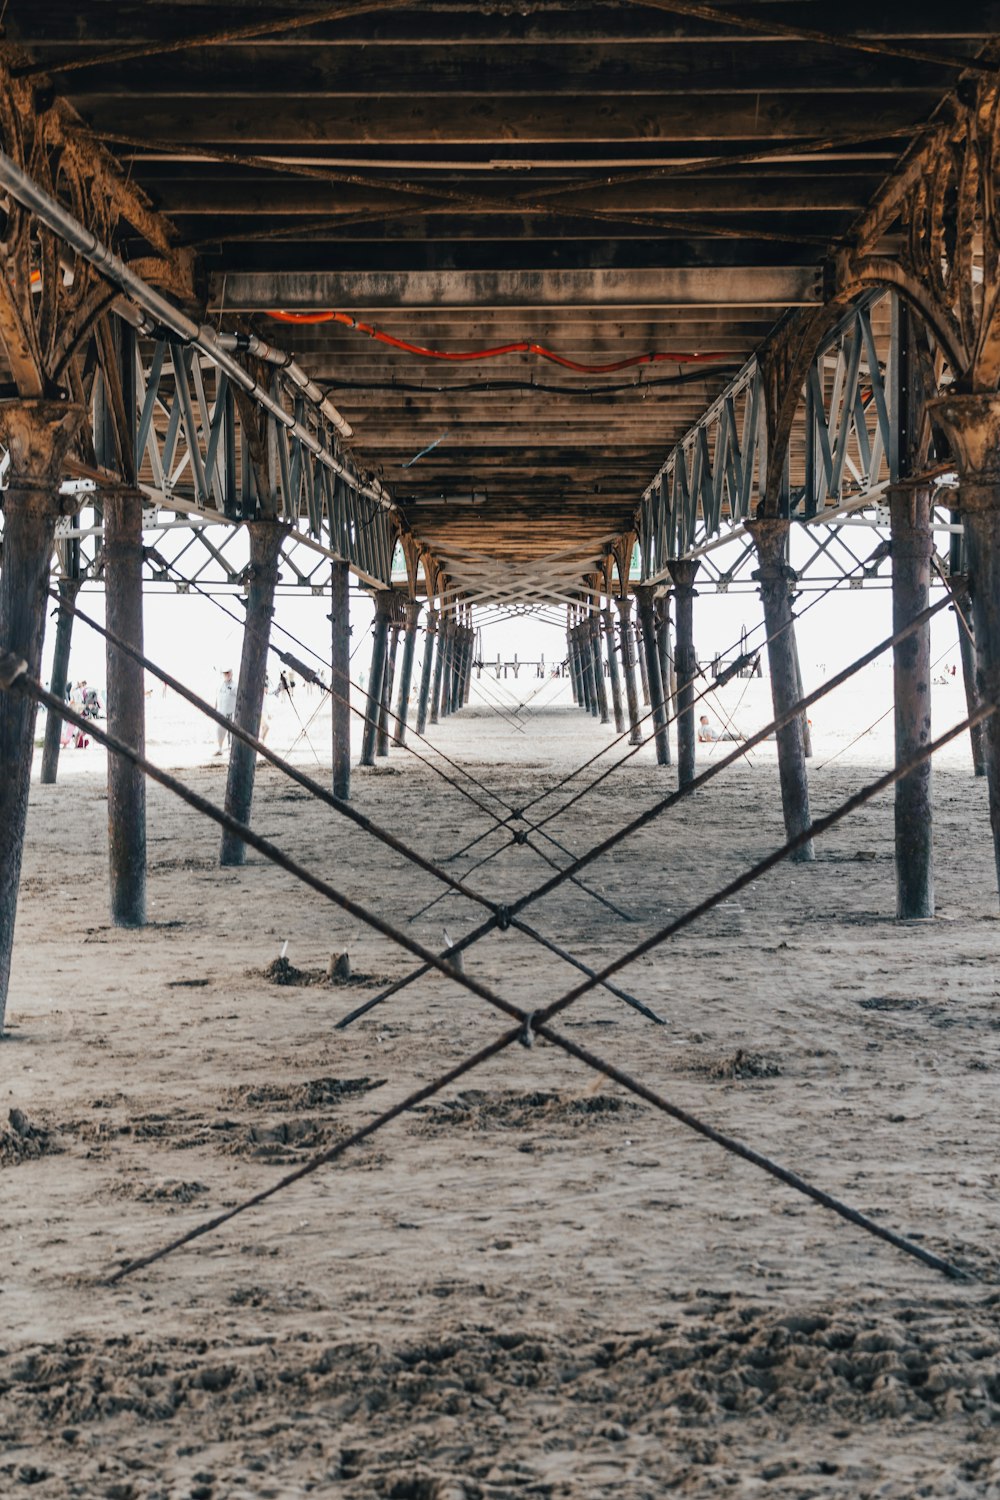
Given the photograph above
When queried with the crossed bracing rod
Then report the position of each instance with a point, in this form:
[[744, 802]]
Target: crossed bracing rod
[[13, 677]]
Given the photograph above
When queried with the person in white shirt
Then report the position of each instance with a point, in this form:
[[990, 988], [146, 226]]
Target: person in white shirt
[[708, 734], [225, 703]]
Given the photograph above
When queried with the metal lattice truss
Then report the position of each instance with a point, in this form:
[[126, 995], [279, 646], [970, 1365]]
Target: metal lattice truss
[[843, 455], [553, 578]]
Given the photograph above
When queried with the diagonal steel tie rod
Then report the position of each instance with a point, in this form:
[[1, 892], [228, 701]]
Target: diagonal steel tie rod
[[346, 809], [13, 677], [667, 802]]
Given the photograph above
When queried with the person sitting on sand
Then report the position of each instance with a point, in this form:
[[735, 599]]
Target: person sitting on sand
[[708, 734]]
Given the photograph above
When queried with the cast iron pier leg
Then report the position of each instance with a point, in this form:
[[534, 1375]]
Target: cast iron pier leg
[[385, 708], [126, 708], [594, 626], [912, 544], [972, 425], [616, 686], [644, 598], [427, 669], [440, 665], [37, 435], [262, 575], [68, 590], [340, 677], [967, 647], [770, 537], [376, 679], [406, 671], [624, 607], [686, 666]]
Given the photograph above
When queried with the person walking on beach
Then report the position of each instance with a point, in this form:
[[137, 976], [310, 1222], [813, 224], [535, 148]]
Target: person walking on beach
[[225, 703]]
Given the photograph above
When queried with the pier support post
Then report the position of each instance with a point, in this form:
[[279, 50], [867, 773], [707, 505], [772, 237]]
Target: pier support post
[[427, 669], [770, 537], [385, 707], [644, 598], [340, 678], [594, 627], [972, 425], [36, 435], [406, 671], [266, 538], [624, 607], [126, 705], [683, 573], [959, 583], [613, 673], [68, 590], [912, 545], [376, 679]]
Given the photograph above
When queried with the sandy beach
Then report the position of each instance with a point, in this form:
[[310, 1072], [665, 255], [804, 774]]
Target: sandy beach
[[533, 1285]]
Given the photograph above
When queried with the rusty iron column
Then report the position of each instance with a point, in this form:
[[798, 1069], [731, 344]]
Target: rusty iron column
[[613, 673], [639, 651], [594, 627], [340, 678], [406, 671], [427, 668], [439, 666], [449, 627], [581, 670], [68, 590], [683, 573], [570, 659], [912, 545], [470, 657], [644, 598], [376, 680], [126, 703], [589, 665], [266, 538], [959, 584], [770, 537], [36, 435], [664, 639], [972, 426], [624, 607], [385, 707]]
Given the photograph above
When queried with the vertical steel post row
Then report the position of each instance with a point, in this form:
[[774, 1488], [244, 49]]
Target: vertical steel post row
[[912, 545], [775, 577], [126, 708], [594, 627], [427, 669], [644, 598], [624, 607], [37, 435], [616, 686], [376, 678], [406, 671], [266, 538], [340, 678], [385, 708], [68, 590]]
